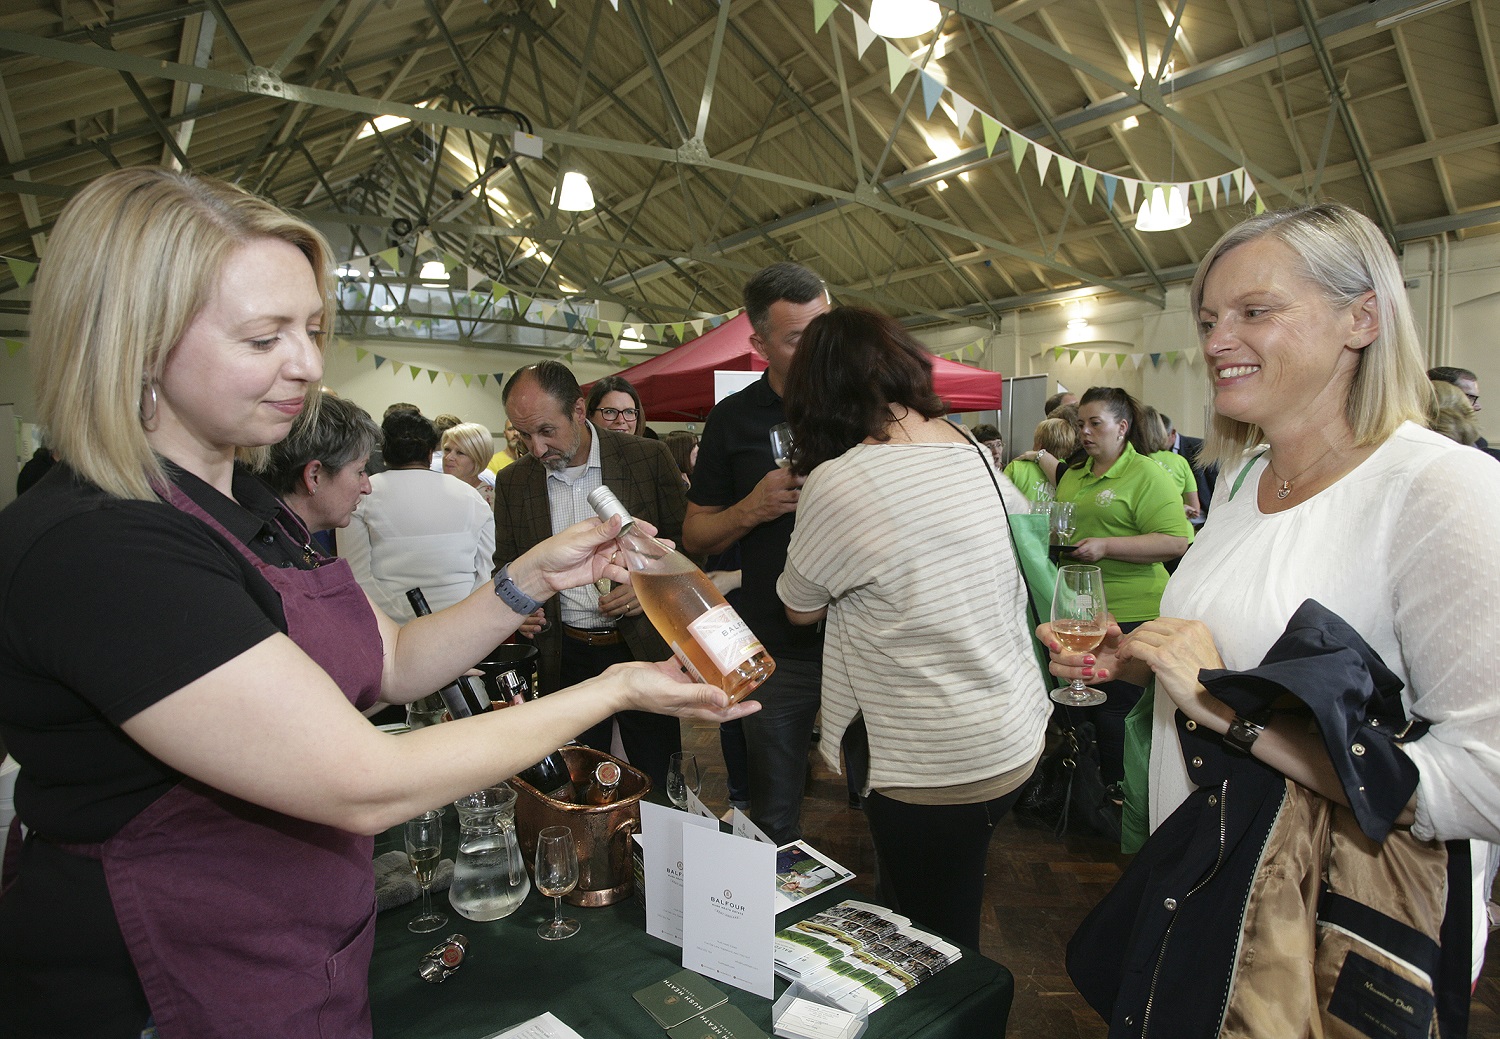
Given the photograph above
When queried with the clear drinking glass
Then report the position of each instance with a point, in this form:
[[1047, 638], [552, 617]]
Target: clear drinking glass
[[682, 776], [781, 444], [1079, 620], [556, 875], [424, 846]]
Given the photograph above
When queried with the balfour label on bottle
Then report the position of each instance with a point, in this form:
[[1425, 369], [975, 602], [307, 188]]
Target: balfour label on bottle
[[726, 638]]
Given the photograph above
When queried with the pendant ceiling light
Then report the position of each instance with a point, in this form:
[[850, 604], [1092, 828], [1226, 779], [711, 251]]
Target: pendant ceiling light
[[574, 194], [899, 19], [1164, 210]]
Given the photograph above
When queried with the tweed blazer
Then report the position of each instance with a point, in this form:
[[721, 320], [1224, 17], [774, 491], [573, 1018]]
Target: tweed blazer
[[643, 476]]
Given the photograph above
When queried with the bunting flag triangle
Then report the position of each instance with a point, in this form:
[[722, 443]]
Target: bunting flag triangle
[[697, 324], [415, 371], [1260, 205], [468, 379], [1073, 356], [544, 312], [1066, 168], [22, 270], [1224, 181], [449, 377], [1018, 144], [1120, 360], [1136, 359], [13, 346], [379, 360], [1171, 357], [424, 242], [523, 304], [1131, 185], [932, 92], [1057, 353], [679, 328], [396, 367], [1239, 182], [1110, 183], [499, 378], [389, 256], [570, 319], [898, 63], [863, 35], [615, 328], [360, 353], [821, 10], [1090, 178], [1043, 160], [1248, 186], [1198, 194], [963, 112], [1156, 360], [991, 130], [432, 375], [360, 265], [482, 379], [473, 277], [592, 324], [615, 4], [1212, 187]]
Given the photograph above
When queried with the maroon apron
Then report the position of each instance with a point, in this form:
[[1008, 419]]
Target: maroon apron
[[242, 921]]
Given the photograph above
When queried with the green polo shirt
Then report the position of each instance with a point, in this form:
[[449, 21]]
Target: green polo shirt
[[1027, 476], [1136, 496], [1179, 469]]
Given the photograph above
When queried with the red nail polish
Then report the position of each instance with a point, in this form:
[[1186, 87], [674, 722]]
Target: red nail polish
[[1088, 672], [1089, 659]]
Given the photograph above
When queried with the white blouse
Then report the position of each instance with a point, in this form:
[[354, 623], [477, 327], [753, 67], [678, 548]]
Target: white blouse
[[1406, 548]]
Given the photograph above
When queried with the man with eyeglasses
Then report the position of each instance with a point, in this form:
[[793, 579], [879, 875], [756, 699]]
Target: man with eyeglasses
[[1468, 384]]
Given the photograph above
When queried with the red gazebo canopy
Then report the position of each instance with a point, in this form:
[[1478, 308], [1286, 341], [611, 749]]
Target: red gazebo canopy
[[678, 386]]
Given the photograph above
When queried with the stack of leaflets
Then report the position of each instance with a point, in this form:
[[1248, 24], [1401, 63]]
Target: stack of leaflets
[[860, 956], [688, 1006]]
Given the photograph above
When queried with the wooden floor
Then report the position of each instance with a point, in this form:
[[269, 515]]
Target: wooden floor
[[1038, 888]]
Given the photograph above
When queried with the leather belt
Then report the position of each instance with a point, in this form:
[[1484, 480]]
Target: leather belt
[[592, 636]]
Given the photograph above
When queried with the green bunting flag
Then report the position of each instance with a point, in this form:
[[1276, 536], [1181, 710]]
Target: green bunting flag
[[13, 347], [1018, 145], [21, 270], [899, 64], [415, 371], [821, 10], [991, 133], [1089, 176], [432, 375]]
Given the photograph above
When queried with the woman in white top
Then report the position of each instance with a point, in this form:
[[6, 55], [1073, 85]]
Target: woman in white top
[[1342, 497], [902, 545], [418, 528]]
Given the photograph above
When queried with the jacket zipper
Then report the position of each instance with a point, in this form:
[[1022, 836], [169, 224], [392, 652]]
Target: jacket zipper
[[1167, 935]]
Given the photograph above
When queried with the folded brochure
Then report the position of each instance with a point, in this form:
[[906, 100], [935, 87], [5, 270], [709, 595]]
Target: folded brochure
[[725, 1021], [679, 998], [860, 956]]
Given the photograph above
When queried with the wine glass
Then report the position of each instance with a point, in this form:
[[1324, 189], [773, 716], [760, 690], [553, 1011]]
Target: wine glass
[[781, 444], [556, 875], [1079, 619], [424, 846], [682, 776]]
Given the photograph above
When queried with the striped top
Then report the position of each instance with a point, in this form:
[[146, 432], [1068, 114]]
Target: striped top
[[907, 546]]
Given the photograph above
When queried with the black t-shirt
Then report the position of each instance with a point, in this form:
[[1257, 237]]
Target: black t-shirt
[[733, 457], [108, 606]]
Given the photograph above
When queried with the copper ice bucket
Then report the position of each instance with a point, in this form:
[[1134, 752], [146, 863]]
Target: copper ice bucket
[[602, 832]]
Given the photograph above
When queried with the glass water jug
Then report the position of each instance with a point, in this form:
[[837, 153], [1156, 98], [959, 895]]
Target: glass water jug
[[489, 875]]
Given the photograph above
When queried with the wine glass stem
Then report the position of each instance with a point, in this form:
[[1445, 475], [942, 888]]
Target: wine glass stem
[[557, 912], [426, 901]]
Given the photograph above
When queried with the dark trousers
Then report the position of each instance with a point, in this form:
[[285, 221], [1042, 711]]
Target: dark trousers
[[931, 860], [649, 739], [777, 738]]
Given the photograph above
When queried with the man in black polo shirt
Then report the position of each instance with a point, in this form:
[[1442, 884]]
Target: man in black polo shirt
[[739, 495]]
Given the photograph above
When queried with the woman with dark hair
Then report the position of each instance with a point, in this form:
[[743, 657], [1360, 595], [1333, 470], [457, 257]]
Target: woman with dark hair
[[319, 469], [614, 404], [901, 547], [418, 528], [684, 448], [1129, 520]]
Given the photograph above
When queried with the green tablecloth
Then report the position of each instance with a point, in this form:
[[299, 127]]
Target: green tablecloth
[[511, 975]]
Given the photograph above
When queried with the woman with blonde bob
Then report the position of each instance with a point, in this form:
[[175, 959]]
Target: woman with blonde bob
[[181, 684], [1332, 491], [467, 449]]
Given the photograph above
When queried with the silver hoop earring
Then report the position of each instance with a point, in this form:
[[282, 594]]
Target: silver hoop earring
[[147, 416]]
